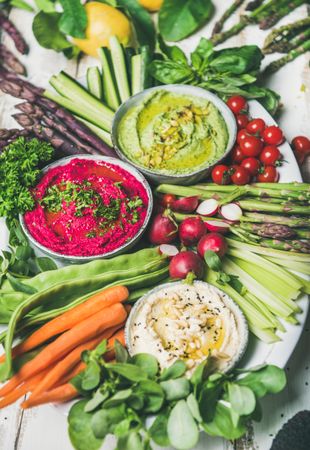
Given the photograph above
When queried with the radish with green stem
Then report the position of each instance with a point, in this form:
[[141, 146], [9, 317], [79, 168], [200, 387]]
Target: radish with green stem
[[163, 229], [186, 265], [212, 241]]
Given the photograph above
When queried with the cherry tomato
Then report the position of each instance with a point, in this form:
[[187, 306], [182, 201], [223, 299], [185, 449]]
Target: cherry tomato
[[251, 146], [240, 176], [236, 154], [256, 126], [270, 155], [269, 174], [252, 165], [242, 134], [167, 199], [221, 174], [301, 144], [237, 103], [273, 135], [242, 121]]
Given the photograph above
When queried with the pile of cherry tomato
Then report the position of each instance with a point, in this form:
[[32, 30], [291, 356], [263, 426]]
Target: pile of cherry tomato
[[256, 154]]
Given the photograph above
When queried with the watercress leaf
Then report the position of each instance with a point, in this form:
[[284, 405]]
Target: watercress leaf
[[100, 423], [73, 20], [91, 377], [21, 4], [241, 398], [222, 424], [158, 430], [117, 399], [45, 27], [172, 52], [237, 60], [80, 430], [170, 72], [147, 362], [201, 55], [45, 5], [121, 354], [176, 389], [182, 429], [131, 441], [136, 401], [19, 286], [101, 348], [97, 399], [23, 252], [213, 261], [176, 370], [128, 371], [153, 395], [5, 262], [77, 383], [236, 284], [193, 405], [271, 379], [209, 395], [257, 414], [44, 264], [178, 20]]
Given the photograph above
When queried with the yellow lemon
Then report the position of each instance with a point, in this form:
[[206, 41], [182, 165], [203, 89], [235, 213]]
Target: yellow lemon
[[151, 5], [103, 21]]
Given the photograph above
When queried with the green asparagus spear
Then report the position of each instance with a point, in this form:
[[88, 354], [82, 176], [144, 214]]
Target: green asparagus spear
[[293, 54], [269, 230], [229, 12], [253, 5], [282, 9], [296, 222], [285, 208], [287, 37]]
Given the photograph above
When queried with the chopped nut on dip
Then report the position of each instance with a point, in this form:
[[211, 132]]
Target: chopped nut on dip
[[188, 322]]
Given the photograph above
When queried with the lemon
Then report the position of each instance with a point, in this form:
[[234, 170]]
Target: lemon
[[151, 5], [103, 21]]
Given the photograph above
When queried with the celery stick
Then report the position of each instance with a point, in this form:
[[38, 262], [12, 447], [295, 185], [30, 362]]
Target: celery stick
[[292, 319], [274, 321], [305, 284], [267, 335], [104, 135], [291, 264], [268, 298]]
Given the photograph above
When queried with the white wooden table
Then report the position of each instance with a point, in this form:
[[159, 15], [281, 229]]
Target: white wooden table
[[45, 428]]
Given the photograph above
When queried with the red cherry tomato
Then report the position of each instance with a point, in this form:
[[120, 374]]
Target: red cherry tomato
[[270, 155], [236, 154], [251, 146], [242, 134], [242, 121], [252, 165], [273, 135], [269, 174], [256, 126], [221, 174], [240, 176], [237, 103], [167, 199], [301, 144]]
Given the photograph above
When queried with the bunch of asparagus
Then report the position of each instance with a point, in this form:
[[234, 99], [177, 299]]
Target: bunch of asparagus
[[264, 13], [46, 120], [275, 215], [292, 39], [7, 59]]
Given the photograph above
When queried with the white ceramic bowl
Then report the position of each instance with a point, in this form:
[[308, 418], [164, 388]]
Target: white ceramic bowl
[[184, 178], [80, 259]]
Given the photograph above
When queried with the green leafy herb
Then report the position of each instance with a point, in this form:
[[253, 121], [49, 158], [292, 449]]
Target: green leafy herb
[[45, 27], [73, 20]]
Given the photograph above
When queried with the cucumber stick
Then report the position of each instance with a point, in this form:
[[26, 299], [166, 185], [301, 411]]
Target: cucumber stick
[[119, 65], [140, 78], [94, 83], [108, 79], [104, 135]]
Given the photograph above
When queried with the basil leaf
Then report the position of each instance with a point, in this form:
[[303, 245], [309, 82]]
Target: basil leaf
[[45, 27], [241, 398], [176, 389], [201, 55], [128, 371], [73, 20], [80, 430], [20, 287], [177, 20], [213, 261], [45, 264], [173, 52], [158, 430], [237, 60], [176, 370], [170, 72], [148, 363], [182, 429]]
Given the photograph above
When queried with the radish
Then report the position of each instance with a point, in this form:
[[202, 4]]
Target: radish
[[212, 241], [168, 250], [163, 229], [231, 211], [185, 263], [218, 226], [185, 204], [208, 207], [191, 230]]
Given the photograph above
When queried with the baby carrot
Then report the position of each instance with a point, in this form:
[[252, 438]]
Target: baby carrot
[[60, 394]]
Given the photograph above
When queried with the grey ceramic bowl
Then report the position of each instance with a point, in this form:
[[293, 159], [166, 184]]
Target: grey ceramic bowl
[[81, 259], [238, 314], [186, 178]]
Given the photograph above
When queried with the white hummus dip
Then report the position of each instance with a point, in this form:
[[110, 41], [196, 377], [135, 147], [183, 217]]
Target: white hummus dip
[[188, 322]]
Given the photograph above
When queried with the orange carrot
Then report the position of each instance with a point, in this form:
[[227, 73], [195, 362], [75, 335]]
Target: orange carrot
[[60, 394], [75, 371], [87, 329], [69, 362], [67, 320]]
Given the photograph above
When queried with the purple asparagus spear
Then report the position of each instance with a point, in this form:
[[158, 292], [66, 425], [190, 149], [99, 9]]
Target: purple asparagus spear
[[13, 32]]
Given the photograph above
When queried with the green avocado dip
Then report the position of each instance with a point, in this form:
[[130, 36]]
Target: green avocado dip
[[173, 133]]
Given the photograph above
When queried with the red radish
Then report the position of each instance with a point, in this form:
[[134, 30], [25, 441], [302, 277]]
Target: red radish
[[185, 263], [191, 230], [231, 211], [168, 250], [212, 241], [163, 229], [217, 226], [185, 204], [208, 207]]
